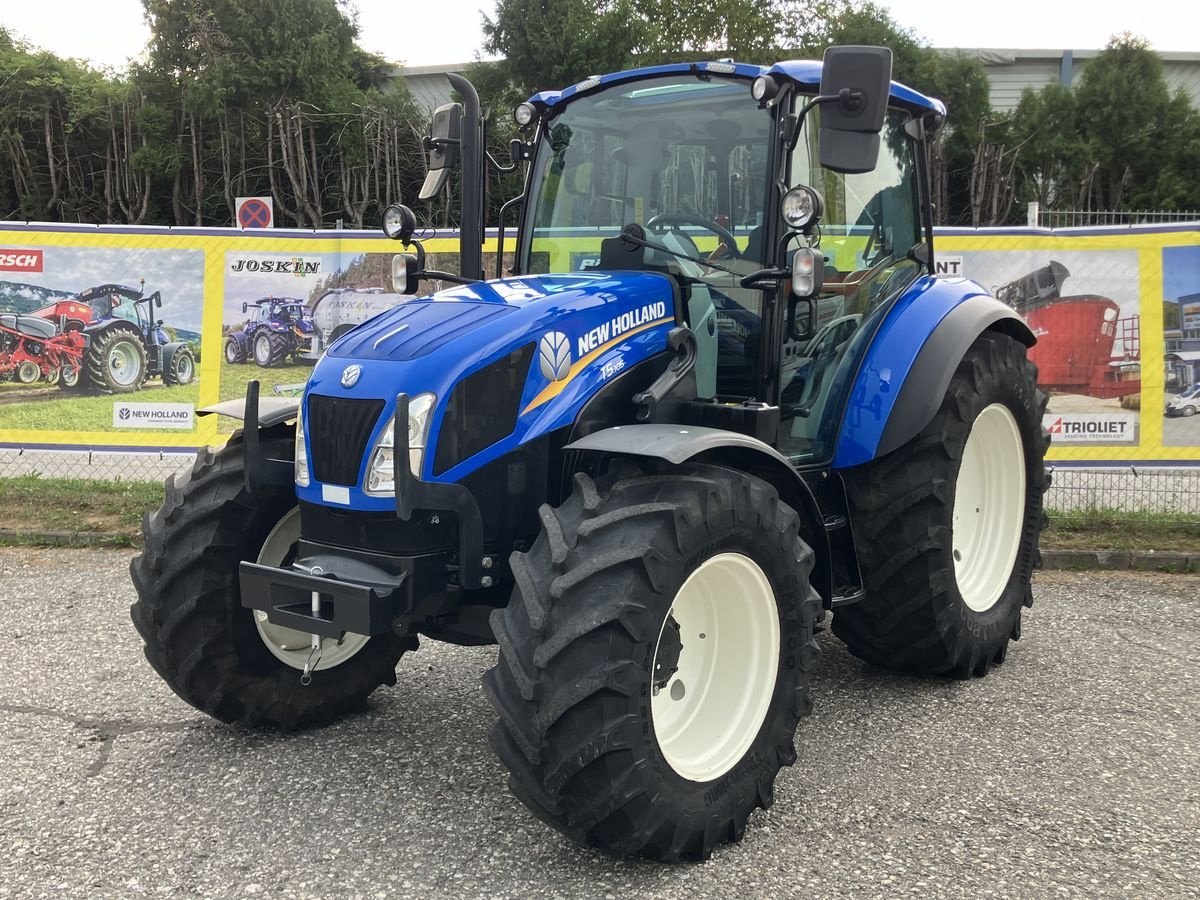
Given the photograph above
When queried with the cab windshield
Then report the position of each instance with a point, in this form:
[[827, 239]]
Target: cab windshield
[[685, 156]]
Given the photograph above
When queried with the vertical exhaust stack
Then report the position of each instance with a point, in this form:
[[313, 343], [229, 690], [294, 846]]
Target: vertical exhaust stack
[[470, 235]]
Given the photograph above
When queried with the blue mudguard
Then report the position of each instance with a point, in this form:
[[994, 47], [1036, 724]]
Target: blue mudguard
[[908, 366]]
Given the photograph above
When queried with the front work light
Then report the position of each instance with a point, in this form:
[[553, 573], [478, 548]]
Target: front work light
[[524, 115], [381, 481], [399, 223], [764, 88], [801, 207]]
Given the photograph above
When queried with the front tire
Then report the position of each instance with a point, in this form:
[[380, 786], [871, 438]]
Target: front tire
[[198, 636], [182, 368], [947, 526], [234, 351], [648, 591]]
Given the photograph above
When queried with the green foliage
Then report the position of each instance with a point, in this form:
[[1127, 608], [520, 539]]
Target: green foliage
[[1117, 141]]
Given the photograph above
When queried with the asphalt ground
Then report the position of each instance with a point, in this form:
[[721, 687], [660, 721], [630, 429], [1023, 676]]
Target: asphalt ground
[[1071, 771]]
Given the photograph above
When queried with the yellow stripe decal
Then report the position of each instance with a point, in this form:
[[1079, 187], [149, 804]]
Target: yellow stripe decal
[[554, 388]]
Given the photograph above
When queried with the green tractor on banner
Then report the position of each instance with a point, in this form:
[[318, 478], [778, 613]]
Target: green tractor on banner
[[720, 395]]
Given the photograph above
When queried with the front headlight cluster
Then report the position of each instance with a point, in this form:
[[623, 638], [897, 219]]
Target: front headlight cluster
[[302, 478], [381, 479]]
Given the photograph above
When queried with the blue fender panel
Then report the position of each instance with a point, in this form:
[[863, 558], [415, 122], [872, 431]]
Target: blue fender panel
[[906, 337]]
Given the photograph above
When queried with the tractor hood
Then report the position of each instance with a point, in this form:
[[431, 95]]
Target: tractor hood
[[548, 343], [489, 318]]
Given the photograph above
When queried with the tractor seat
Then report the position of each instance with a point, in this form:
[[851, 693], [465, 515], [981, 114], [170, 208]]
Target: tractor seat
[[30, 325]]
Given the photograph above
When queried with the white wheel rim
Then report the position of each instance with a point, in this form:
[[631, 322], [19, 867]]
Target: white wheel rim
[[185, 370], [231, 352], [710, 711], [124, 363], [262, 349], [287, 644], [989, 507]]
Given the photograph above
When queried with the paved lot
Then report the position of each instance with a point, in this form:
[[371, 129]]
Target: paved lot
[[1073, 771]]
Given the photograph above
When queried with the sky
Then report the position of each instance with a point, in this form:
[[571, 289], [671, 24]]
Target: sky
[[415, 33]]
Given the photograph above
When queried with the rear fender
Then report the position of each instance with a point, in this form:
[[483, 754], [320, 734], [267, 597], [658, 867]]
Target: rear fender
[[677, 444], [907, 368]]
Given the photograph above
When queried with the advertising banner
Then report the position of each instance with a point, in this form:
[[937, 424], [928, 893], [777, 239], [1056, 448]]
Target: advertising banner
[[114, 337]]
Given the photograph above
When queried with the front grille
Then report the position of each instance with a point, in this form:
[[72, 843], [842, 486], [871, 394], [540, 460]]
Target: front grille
[[338, 431]]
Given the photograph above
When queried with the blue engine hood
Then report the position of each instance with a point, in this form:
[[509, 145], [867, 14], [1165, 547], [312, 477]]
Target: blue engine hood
[[511, 309], [586, 327]]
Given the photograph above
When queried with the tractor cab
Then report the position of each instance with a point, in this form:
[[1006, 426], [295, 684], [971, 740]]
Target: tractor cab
[[725, 186]]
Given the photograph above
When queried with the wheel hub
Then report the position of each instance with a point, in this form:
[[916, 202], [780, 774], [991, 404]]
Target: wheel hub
[[666, 659]]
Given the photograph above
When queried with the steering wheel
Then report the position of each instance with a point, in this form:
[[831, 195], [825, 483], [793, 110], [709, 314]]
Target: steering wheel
[[725, 235]]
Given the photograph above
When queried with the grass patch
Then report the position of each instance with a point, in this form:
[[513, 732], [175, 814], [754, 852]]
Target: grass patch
[[66, 411], [69, 506], [1110, 529], [234, 377]]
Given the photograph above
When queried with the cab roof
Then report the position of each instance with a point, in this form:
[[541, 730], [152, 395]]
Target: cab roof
[[806, 72]]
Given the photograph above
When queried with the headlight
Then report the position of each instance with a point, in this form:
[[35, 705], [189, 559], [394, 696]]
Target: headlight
[[524, 115], [301, 450], [801, 207], [381, 479]]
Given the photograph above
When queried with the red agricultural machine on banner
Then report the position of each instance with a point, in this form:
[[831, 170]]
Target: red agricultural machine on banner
[[1084, 344], [33, 348]]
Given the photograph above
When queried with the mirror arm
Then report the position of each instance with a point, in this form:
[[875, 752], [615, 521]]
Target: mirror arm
[[502, 169], [500, 231], [763, 276]]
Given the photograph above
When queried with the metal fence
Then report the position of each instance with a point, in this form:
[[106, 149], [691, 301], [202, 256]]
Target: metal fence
[[1077, 492], [1170, 494], [1083, 218]]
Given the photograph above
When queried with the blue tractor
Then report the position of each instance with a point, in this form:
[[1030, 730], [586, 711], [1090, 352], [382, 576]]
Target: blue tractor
[[126, 344], [720, 395], [277, 327]]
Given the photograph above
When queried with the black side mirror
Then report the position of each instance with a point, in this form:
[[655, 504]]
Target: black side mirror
[[158, 302], [405, 267], [443, 146], [860, 77], [245, 307]]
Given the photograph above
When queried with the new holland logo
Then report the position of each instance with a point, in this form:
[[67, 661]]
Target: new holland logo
[[350, 376], [554, 356]]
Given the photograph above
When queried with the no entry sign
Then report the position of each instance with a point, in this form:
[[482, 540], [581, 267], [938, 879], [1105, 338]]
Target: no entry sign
[[254, 212]]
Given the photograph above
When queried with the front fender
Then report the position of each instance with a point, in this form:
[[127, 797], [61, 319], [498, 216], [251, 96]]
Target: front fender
[[906, 370], [677, 444]]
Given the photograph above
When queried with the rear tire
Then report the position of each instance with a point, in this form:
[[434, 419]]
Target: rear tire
[[597, 622], [199, 637], [947, 526], [116, 361], [270, 349]]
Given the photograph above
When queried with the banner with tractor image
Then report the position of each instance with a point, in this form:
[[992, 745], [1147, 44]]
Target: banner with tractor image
[[115, 337]]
